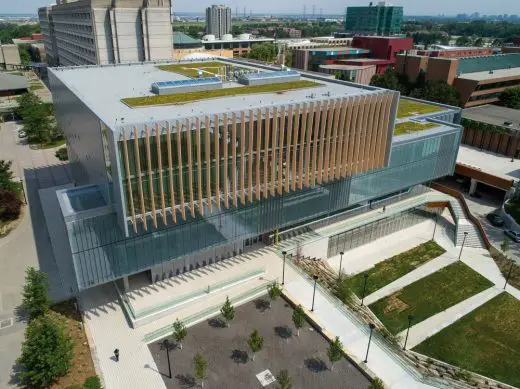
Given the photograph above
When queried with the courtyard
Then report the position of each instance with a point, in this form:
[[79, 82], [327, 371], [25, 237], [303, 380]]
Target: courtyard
[[229, 357]]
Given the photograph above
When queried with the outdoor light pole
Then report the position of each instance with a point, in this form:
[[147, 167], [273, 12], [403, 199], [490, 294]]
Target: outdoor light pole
[[509, 273], [283, 270], [372, 326], [314, 292], [435, 228], [410, 319], [340, 262], [166, 344], [463, 241], [364, 288]]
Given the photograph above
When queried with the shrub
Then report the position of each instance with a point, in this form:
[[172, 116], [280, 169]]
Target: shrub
[[93, 382], [62, 154], [10, 205], [35, 299]]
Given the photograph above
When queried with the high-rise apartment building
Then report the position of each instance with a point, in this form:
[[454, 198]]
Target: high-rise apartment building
[[169, 179], [89, 32], [218, 20], [379, 19]]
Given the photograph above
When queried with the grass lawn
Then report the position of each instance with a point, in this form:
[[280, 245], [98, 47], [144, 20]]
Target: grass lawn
[[35, 86], [428, 296], [411, 127], [395, 267], [513, 209], [186, 97], [408, 108], [486, 341], [191, 69], [82, 365]]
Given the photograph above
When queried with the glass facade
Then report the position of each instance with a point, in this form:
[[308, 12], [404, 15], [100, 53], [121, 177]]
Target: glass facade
[[102, 253], [377, 20]]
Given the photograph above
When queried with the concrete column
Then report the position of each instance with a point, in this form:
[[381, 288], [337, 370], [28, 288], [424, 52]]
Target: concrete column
[[126, 284], [473, 187]]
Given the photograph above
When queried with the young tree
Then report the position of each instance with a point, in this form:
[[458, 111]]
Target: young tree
[[284, 380], [255, 342], [201, 366], [343, 288], [179, 332], [228, 311], [510, 98], [298, 318], [46, 352], [6, 176], [377, 384], [274, 291], [335, 352], [35, 299]]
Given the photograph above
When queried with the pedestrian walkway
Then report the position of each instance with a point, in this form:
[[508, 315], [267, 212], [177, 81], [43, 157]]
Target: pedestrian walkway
[[429, 327], [354, 339]]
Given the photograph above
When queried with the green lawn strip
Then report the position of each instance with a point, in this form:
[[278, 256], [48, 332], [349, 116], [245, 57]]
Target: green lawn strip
[[513, 208], [191, 69], [486, 341], [428, 296], [395, 267], [181, 98], [408, 108], [411, 127]]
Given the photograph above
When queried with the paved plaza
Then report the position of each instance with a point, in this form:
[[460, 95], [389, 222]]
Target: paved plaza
[[229, 356]]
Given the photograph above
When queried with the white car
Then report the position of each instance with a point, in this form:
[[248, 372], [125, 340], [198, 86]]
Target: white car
[[22, 134]]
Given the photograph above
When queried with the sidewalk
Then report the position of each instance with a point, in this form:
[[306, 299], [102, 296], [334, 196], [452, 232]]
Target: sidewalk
[[353, 338]]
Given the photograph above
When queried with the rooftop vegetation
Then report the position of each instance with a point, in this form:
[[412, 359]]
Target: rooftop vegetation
[[209, 68], [411, 127], [409, 108], [186, 97]]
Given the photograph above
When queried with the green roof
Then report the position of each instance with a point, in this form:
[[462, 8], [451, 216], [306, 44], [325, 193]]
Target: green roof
[[181, 39], [491, 62], [408, 108]]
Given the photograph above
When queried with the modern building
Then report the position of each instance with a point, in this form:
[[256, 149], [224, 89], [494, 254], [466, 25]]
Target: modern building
[[27, 40], [163, 189], [355, 73], [218, 20], [240, 45], [311, 59], [379, 19], [12, 85], [89, 32], [185, 47], [383, 50], [479, 80], [455, 52], [10, 57]]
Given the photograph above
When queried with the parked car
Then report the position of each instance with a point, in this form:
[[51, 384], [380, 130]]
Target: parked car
[[514, 235], [495, 219], [22, 134]]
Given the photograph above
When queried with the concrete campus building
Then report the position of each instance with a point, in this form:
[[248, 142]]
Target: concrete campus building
[[10, 57], [479, 80], [164, 189], [379, 19], [89, 32], [218, 20]]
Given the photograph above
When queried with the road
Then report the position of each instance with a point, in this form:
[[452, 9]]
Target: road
[[23, 247]]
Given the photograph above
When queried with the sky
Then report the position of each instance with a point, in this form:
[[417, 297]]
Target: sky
[[411, 7]]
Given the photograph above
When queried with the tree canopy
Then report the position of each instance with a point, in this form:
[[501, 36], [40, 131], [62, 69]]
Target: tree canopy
[[37, 119], [46, 352], [10, 31], [510, 98], [35, 299], [263, 52]]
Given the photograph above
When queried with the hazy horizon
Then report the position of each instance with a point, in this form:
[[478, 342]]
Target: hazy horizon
[[411, 7]]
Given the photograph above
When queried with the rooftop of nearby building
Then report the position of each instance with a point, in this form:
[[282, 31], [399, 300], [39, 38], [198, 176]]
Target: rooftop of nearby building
[[181, 39], [487, 161], [336, 50], [494, 115], [102, 88], [490, 75], [489, 62]]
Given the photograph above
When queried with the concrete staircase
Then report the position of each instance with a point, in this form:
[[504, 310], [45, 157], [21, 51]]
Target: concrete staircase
[[464, 225]]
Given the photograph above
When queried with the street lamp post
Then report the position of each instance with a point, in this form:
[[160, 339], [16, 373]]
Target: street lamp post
[[364, 288], [463, 241], [371, 326], [509, 273], [166, 344], [314, 292], [340, 262], [435, 228], [410, 319], [283, 270]]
